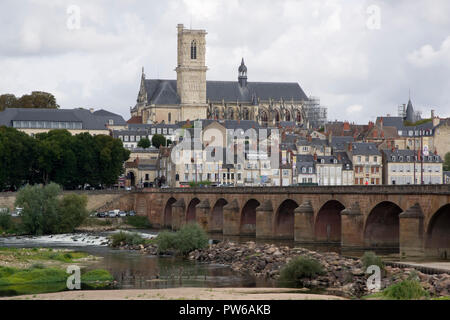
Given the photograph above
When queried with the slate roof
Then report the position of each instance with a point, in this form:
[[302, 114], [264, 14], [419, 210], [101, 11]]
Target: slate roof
[[165, 91], [91, 121], [341, 143], [400, 155], [366, 149]]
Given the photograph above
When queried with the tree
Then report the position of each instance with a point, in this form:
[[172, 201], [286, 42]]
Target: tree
[[158, 140], [447, 162], [17, 158], [144, 143], [45, 213], [72, 212], [37, 99], [7, 101], [40, 208]]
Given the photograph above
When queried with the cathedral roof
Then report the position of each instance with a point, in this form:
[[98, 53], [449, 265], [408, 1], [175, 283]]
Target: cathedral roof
[[165, 91]]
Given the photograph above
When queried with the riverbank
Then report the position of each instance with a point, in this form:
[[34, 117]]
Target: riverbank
[[343, 276], [181, 294]]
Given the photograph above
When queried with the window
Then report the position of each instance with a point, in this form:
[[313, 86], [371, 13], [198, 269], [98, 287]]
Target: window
[[310, 170], [375, 159], [169, 117], [367, 158], [193, 50], [111, 122], [146, 177], [359, 158], [303, 170]]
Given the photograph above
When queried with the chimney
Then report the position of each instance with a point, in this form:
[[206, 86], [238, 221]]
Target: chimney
[[350, 147], [436, 121], [309, 138], [432, 114], [91, 110], [330, 137], [315, 156], [346, 126], [381, 123], [339, 157]]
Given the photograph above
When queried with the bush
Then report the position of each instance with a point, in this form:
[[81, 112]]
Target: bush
[[189, 238], [5, 221], [299, 268], [138, 222], [370, 258], [405, 290], [44, 213], [127, 238]]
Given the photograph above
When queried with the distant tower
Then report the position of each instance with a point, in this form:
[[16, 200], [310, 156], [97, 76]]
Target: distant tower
[[242, 74], [191, 73], [410, 115]]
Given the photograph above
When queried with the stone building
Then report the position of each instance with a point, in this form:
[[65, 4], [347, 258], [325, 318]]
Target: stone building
[[192, 97], [367, 163], [407, 167]]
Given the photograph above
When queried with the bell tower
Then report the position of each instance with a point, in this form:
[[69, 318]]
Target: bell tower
[[191, 73]]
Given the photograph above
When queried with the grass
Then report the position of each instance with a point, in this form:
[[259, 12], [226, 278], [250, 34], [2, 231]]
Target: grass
[[300, 268], [39, 279], [418, 123], [42, 254], [408, 289], [93, 222]]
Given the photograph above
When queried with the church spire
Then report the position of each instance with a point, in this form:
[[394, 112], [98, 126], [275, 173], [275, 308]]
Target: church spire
[[242, 74]]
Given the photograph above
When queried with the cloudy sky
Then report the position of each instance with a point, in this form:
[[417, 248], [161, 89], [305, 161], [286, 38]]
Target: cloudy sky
[[359, 57]]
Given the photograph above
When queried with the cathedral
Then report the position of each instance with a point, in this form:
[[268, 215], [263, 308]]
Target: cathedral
[[192, 97]]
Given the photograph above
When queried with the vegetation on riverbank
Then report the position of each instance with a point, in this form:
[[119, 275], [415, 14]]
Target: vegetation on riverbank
[[140, 222], [189, 238], [128, 238], [39, 270], [299, 268], [45, 212]]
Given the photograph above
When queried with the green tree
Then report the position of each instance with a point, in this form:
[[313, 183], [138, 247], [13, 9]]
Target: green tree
[[17, 158], [7, 101], [40, 208], [144, 143], [72, 212], [447, 162], [110, 156], [87, 168], [158, 140], [56, 160]]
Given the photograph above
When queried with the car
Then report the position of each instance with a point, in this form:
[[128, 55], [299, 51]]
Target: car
[[112, 214], [128, 188], [165, 187], [93, 214], [122, 214], [101, 214], [131, 213]]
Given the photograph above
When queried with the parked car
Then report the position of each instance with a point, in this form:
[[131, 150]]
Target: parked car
[[101, 214], [131, 213], [128, 188], [112, 214], [122, 214]]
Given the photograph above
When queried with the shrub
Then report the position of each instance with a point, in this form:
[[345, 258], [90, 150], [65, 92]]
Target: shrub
[[127, 238], [190, 237], [72, 212], [96, 275], [405, 290], [138, 222], [370, 258], [299, 268], [5, 221]]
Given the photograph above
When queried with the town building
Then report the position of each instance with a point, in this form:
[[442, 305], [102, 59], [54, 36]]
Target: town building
[[33, 121], [367, 163], [410, 167]]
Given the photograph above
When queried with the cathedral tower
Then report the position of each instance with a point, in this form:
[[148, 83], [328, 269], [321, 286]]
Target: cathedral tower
[[191, 73]]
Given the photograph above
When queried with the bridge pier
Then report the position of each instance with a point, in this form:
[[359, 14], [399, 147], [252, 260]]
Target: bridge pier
[[412, 232], [352, 224], [264, 218], [304, 223], [178, 214], [231, 219], [203, 210]]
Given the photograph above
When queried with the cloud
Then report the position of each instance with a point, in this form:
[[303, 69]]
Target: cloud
[[323, 45]]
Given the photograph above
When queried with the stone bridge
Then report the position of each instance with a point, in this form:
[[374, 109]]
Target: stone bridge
[[415, 219]]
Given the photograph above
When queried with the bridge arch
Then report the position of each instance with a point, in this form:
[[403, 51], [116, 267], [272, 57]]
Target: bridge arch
[[167, 219], [327, 227], [191, 210], [248, 217], [438, 233], [216, 222], [284, 220], [382, 226]]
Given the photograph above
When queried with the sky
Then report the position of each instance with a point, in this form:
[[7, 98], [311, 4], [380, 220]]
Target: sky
[[361, 58]]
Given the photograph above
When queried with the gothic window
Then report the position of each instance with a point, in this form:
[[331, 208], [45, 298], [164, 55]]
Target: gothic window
[[169, 117], [231, 117], [288, 116], [193, 50]]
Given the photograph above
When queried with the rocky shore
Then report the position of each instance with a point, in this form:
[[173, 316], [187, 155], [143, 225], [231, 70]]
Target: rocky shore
[[344, 276]]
